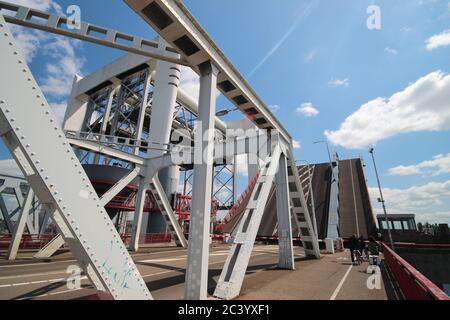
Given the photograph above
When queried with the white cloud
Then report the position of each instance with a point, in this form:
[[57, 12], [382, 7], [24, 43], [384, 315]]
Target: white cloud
[[311, 56], [406, 29], [44, 5], [308, 110], [391, 51], [422, 106], [302, 13], [9, 167], [339, 83], [296, 144], [404, 171], [274, 108], [424, 201], [439, 40], [61, 56], [440, 164]]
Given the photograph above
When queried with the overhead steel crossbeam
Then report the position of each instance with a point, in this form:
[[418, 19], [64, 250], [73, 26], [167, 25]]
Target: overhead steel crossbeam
[[55, 174], [45, 21], [173, 21]]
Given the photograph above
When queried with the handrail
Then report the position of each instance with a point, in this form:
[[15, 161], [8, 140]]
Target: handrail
[[413, 284]]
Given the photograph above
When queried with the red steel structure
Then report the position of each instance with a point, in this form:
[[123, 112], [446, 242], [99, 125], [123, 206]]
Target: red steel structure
[[413, 284]]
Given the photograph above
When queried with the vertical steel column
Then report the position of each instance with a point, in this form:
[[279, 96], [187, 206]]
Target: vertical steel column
[[199, 229], [163, 107], [77, 109], [107, 115], [286, 250], [20, 226], [144, 104], [137, 221]]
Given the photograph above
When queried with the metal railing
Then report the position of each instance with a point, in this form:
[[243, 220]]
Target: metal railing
[[28, 241], [148, 238], [413, 284]]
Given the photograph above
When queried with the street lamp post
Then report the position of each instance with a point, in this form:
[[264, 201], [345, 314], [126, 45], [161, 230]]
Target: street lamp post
[[225, 112], [372, 151]]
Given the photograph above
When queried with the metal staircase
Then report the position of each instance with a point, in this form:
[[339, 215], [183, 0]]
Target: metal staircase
[[233, 272], [300, 210]]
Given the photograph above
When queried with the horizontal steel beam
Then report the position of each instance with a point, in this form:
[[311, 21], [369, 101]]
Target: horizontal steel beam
[[56, 24]]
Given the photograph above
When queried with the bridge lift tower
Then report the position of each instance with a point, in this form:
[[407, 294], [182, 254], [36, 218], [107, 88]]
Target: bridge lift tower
[[47, 154]]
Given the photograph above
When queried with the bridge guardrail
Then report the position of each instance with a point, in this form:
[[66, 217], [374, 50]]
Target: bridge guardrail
[[413, 284]]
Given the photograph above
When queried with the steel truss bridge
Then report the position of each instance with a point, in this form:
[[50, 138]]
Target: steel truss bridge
[[123, 116]]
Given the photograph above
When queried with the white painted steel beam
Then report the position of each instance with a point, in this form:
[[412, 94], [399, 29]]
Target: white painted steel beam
[[143, 109], [51, 248], [118, 187], [56, 175], [284, 226], [23, 16], [199, 229], [233, 273], [166, 210], [300, 209], [138, 212], [167, 80], [19, 227], [99, 147]]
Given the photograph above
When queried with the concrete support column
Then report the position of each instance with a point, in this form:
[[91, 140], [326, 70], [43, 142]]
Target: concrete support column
[[285, 241], [199, 233], [20, 226]]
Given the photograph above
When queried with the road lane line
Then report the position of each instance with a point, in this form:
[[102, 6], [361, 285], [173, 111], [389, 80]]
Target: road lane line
[[144, 276], [339, 287]]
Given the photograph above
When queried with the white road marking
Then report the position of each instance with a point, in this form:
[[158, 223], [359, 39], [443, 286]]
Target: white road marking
[[36, 264], [72, 260], [144, 276], [33, 275], [180, 258], [339, 287]]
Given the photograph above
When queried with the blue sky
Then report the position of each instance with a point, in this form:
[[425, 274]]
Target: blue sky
[[322, 70]]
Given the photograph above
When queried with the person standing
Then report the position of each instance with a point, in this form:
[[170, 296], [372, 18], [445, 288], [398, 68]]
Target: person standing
[[353, 245]]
